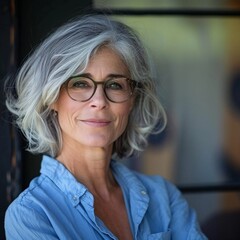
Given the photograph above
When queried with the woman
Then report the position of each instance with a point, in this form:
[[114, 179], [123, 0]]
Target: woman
[[84, 96]]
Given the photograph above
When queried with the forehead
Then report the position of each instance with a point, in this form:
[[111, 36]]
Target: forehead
[[107, 60]]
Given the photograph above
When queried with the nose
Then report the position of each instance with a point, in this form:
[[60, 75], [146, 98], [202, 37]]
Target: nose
[[99, 99]]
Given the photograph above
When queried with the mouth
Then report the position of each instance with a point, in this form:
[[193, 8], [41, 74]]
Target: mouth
[[96, 122]]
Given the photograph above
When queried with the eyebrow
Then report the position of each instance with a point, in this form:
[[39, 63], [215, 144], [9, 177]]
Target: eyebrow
[[89, 75]]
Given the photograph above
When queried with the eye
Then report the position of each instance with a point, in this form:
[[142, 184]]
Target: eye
[[79, 83], [116, 84]]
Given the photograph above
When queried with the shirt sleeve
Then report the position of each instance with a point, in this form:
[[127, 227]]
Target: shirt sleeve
[[24, 223], [184, 224]]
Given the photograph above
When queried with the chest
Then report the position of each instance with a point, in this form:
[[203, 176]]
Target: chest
[[115, 217]]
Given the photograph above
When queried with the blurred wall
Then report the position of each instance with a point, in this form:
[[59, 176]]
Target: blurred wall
[[196, 58]]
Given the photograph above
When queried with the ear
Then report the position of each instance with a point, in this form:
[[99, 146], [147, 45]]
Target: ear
[[53, 107]]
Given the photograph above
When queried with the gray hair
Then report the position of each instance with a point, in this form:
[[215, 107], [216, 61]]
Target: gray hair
[[68, 49]]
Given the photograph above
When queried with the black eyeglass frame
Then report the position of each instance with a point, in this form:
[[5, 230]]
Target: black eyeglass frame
[[132, 83]]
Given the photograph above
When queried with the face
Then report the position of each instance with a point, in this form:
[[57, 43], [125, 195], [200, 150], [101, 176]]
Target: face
[[96, 122]]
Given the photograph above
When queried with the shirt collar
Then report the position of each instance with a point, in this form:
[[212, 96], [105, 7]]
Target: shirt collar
[[127, 179], [63, 179], [135, 193], [75, 190]]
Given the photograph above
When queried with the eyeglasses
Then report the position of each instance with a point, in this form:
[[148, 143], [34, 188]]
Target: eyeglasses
[[116, 89]]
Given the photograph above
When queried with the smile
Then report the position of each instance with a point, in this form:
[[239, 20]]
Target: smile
[[96, 122]]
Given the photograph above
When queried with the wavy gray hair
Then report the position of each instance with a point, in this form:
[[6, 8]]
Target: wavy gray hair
[[68, 49]]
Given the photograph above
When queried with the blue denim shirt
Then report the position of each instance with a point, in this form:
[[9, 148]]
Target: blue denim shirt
[[57, 206]]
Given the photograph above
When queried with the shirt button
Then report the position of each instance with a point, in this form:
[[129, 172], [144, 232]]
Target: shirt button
[[143, 193], [75, 198]]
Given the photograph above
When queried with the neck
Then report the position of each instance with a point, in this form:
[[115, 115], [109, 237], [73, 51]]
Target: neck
[[91, 167]]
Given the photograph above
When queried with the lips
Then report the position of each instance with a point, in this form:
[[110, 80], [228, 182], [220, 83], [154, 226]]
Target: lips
[[96, 122]]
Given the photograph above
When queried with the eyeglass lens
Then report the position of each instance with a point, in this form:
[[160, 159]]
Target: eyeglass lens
[[117, 89]]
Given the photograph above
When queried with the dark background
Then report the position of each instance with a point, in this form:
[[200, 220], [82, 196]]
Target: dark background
[[23, 24]]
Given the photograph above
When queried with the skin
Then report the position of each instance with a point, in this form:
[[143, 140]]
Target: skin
[[89, 130]]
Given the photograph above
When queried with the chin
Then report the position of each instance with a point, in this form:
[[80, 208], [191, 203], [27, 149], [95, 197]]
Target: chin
[[97, 143]]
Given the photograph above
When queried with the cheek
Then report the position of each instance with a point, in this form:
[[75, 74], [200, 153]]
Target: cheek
[[67, 112], [123, 119]]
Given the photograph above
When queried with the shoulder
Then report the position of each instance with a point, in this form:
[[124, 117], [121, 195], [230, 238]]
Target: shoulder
[[154, 180], [27, 200], [24, 218], [162, 191], [156, 184], [34, 212], [157, 187], [33, 200], [165, 197]]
